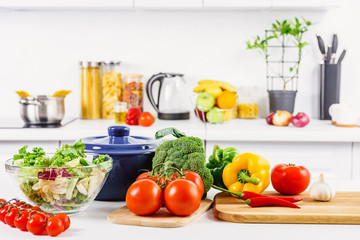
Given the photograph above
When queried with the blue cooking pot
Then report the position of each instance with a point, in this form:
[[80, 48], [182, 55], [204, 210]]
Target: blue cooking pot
[[130, 155]]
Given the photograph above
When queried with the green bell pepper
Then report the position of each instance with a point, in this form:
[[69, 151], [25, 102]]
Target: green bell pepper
[[218, 161]]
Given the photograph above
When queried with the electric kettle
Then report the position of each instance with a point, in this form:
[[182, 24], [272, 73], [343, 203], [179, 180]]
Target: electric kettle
[[170, 104]]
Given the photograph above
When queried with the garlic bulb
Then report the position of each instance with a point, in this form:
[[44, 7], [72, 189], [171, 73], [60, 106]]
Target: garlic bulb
[[321, 191]]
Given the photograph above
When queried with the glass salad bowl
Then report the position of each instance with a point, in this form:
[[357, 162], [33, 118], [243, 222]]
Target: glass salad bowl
[[70, 189]]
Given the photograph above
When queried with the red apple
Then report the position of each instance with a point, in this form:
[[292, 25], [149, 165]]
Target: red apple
[[200, 114], [269, 119], [300, 120]]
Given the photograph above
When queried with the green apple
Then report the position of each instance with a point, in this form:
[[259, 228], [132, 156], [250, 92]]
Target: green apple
[[205, 101], [215, 116]]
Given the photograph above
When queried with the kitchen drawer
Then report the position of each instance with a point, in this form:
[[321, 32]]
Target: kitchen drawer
[[9, 148], [333, 159]]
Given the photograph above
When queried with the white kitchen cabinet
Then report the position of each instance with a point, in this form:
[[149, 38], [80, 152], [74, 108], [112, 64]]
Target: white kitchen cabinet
[[333, 159], [304, 4], [168, 4], [66, 4], [237, 4]]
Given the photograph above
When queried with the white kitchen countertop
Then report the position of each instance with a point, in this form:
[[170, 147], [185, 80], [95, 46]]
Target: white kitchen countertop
[[93, 224], [233, 130]]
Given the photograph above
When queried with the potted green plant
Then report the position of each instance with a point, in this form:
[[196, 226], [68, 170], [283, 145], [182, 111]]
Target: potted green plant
[[282, 68]]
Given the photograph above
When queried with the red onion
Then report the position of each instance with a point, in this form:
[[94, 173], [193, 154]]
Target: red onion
[[300, 120], [269, 119]]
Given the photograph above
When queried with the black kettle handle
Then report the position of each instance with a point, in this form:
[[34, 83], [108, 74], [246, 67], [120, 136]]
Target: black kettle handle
[[157, 77]]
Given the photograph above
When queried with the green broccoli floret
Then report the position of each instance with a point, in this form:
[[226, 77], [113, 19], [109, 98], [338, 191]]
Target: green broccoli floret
[[184, 153]]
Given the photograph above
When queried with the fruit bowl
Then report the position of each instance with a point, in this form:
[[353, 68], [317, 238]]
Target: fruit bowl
[[214, 114], [60, 189]]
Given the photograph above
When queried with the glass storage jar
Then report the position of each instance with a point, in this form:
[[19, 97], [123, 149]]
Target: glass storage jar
[[120, 112], [248, 103], [90, 90], [133, 91], [111, 87]]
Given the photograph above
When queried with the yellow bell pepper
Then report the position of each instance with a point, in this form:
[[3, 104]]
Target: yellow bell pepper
[[247, 172]]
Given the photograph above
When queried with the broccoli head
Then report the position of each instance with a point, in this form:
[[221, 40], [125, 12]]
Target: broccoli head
[[184, 153]]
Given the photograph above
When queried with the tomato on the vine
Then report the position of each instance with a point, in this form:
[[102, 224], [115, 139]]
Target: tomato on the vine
[[144, 197], [147, 175], [65, 219], [21, 220], [182, 197], [146, 119], [10, 216], [3, 212], [290, 179], [54, 226], [36, 225]]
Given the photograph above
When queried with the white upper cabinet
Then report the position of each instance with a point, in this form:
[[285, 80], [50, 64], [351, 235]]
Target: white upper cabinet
[[237, 4], [160, 4], [305, 4], [66, 4], [241, 5]]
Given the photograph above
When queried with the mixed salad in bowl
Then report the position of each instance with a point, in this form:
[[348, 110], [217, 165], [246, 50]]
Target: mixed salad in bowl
[[66, 181]]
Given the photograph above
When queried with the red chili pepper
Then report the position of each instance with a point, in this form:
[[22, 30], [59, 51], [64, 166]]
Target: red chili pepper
[[269, 201], [248, 195]]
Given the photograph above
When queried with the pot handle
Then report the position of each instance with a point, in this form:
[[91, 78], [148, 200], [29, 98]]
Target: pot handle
[[29, 102]]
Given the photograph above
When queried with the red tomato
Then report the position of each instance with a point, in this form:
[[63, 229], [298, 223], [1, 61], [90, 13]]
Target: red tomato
[[146, 175], [182, 197], [290, 179], [195, 178], [132, 116], [146, 119], [144, 197], [36, 225], [21, 220], [54, 226], [65, 219], [3, 212], [10, 217]]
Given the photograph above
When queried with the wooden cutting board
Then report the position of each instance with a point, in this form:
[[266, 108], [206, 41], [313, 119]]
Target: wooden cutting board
[[343, 209], [162, 218]]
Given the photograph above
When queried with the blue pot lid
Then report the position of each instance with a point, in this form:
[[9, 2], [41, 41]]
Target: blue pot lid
[[119, 142]]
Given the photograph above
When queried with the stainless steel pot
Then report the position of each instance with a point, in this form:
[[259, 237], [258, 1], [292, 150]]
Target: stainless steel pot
[[42, 109]]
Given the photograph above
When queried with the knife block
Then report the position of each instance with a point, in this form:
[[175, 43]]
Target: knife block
[[329, 88]]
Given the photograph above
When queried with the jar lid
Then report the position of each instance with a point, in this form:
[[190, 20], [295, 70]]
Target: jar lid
[[89, 64], [133, 76], [119, 142]]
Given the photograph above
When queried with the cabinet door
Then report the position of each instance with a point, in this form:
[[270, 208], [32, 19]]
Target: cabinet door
[[168, 3], [7, 150], [356, 161], [66, 4], [295, 4], [254, 4], [333, 159]]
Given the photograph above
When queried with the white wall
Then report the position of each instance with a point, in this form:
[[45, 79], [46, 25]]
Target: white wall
[[40, 50]]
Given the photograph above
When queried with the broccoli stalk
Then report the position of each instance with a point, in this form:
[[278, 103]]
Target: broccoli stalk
[[184, 153]]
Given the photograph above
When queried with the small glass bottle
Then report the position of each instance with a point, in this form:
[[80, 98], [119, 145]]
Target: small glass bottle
[[120, 112]]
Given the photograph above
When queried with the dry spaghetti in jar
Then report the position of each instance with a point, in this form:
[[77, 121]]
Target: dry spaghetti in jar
[[111, 87]]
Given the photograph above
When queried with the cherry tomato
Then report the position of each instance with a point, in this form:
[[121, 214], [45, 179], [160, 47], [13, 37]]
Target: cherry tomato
[[195, 178], [144, 197], [10, 217], [182, 197], [146, 119], [36, 225], [36, 208], [3, 212], [65, 219], [146, 175], [54, 226], [290, 179], [21, 220]]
